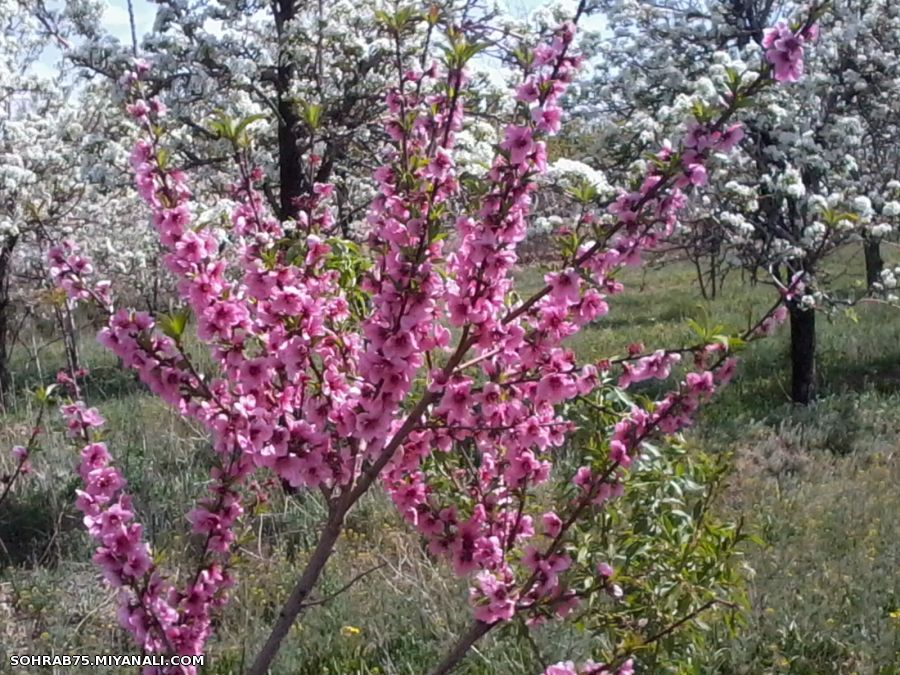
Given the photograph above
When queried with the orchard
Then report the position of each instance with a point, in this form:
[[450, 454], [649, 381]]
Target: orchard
[[400, 338]]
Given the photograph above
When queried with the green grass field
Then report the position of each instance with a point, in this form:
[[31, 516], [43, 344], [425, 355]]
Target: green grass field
[[820, 486]]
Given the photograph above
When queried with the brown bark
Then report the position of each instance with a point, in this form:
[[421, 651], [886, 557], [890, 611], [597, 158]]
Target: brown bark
[[6, 251], [290, 167], [803, 354], [874, 261]]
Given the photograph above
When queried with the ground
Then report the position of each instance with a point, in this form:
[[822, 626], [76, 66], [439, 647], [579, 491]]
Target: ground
[[817, 485]]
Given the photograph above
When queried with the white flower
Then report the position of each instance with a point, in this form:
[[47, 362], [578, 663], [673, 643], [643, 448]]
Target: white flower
[[795, 190], [791, 183], [891, 209], [863, 206], [564, 170], [705, 90], [8, 229], [880, 230]]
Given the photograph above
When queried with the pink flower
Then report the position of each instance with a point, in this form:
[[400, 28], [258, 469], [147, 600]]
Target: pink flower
[[457, 403], [810, 33], [548, 119], [372, 425], [605, 570], [79, 419], [528, 92], [400, 346], [565, 286], [138, 110], [731, 137], [93, 456], [770, 323], [784, 50], [255, 373], [555, 388], [552, 524], [518, 143], [696, 174], [726, 371], [492, 599], [20, 454], [103, 483], [583, 477], [204, 521], [618, 454], [440, 166]]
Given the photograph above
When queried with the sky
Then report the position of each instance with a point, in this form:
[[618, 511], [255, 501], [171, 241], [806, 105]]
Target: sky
[[115, 16], [115, 20]]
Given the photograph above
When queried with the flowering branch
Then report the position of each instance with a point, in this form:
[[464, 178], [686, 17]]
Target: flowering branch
[[339, 365]]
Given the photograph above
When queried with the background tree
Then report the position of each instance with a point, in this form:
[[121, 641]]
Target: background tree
[[804, 183]]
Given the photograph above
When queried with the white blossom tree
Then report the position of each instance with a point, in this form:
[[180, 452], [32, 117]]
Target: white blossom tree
[[813, 173], [63, 173]]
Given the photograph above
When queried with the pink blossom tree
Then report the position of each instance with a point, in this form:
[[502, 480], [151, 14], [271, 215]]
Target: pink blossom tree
[[411, 361]]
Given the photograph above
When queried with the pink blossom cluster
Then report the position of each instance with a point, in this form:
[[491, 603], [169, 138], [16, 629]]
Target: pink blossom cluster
[[590, 668], [68, 268], [328, 396], [656, 366], [108, 516], [268, 328], [698, 142], [503, 399], [20, 455], [771, 323], [404, 284], [498, 525], [784, 49], [161, 618], [506, 408]]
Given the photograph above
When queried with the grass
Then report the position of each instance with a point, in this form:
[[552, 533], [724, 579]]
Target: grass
[[819, 486]]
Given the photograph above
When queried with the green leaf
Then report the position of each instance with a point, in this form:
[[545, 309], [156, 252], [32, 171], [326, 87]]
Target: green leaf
[[399, 21], [583, 192], [174, 324], [43, 394], [311, 114], [461, 52], [697, 329], [222, 126], [162, 158], [246, 122]]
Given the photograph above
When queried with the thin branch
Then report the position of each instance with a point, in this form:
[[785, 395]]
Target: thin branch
[[342, 589]]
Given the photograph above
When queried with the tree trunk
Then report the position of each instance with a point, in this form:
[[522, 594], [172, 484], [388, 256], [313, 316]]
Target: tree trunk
[[5, 376], [290, 163], [874, 261], [5, 311], [803, 354], [698, 266], [298, 597], [290, 172], [67, 327]]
